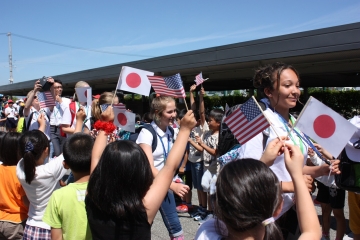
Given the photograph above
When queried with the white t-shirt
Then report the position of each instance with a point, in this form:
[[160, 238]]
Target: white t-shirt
[[254, 149], [195, 155], [58, 111], [46, 181], [146, 137], [34, 123], [66, 118], [11, 111], [209, 230]]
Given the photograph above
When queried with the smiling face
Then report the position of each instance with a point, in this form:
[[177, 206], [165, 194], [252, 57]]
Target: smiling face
[[57, 89], [284, 96], [169, 114]]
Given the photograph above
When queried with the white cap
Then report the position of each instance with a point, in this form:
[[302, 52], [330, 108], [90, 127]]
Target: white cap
[[351, 152]]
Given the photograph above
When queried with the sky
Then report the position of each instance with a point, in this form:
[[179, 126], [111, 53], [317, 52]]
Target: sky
[[124, 31]]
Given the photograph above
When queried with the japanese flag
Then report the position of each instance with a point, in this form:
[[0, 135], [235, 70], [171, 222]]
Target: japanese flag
[[124, 120], [134, 80], [325, 126], [84, 94]]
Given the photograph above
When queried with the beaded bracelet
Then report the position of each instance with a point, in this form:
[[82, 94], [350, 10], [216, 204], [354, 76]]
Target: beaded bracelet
[[107, 127]]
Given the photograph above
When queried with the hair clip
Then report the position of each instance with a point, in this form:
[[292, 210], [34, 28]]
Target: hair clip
[[268, 221], [29, 147]]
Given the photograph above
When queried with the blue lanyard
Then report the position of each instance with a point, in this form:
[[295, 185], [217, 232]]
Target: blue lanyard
[[162, 143]]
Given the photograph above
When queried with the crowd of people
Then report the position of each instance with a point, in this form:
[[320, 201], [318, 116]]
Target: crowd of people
[[67, 172]]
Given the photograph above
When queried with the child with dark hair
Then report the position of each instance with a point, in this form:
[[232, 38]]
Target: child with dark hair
[[195, 156], [147, 117], [208, 146], [39, 180], [248, 198], [13, 201], [65, 212], [123, 194]]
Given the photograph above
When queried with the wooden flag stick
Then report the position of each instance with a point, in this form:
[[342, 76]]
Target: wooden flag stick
[[112, 101], [187, 109], [271, 125]]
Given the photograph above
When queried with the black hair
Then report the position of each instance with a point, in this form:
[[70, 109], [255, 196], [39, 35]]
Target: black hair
[[9, 150], [58, 81], [21, 112], [120, 181], [77, 152], [137, 117], [265, 77], [216, 114], [147, 117], [40, 142], [181, 114], [247, 193]]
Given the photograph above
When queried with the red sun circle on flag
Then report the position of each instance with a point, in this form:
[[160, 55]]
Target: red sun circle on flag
[[324, 126], [133, 80], [122, 119]]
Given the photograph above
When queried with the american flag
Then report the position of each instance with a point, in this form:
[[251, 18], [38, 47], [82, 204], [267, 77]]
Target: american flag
[[168, 86], [247, 121], [199, 79], [119, 106], [45, 99]]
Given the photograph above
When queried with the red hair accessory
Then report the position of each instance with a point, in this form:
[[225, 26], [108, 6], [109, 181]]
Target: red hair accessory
[[107, 127]]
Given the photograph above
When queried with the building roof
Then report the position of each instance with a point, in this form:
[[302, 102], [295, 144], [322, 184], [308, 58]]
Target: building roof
[[328, 57]]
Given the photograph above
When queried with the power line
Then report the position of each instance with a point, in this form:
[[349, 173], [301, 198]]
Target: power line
[[74, 47]]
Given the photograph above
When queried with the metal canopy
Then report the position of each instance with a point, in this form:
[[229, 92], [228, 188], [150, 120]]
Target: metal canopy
[[328, 57]]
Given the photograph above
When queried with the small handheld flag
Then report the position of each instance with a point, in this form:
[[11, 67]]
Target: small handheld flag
[[45, 99]]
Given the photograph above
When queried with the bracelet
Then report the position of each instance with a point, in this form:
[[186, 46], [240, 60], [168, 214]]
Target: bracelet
[[107, 127]]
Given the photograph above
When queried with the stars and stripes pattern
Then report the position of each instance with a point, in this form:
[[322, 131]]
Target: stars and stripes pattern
[[45, 99], [119, 106], [247, 121], [168, 86], [199, 79]]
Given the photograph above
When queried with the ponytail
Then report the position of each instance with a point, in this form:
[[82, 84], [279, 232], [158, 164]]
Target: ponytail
[[32, 145], [95, 109], [272, 231]]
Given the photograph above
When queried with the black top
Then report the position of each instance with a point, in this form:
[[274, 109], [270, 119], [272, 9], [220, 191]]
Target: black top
[[105, 226]]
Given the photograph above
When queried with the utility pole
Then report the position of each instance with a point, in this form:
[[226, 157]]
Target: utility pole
[[10, 59]]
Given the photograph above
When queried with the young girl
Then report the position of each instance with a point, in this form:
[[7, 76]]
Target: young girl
[[39, 180], [280, 85], [13, 201], [248, 198], [123, 196], [163, 110]]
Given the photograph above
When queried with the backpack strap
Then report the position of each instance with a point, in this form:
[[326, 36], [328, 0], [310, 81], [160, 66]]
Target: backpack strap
[[27, 125], [152, 131]]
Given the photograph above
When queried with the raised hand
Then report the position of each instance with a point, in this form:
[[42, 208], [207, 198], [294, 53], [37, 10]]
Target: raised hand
[[273, 149], [188, 121]]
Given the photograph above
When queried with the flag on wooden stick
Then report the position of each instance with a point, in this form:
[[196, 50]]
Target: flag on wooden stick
[[247, 121]]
